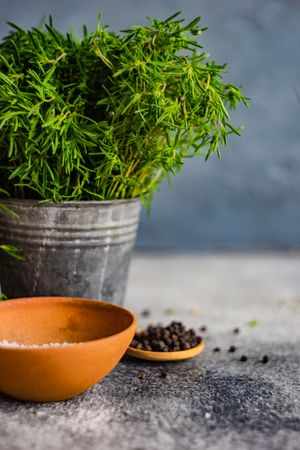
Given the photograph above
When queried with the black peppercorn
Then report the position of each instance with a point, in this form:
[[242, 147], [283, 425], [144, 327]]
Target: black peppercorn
[[232, 349], [145, 313], [173, 338]]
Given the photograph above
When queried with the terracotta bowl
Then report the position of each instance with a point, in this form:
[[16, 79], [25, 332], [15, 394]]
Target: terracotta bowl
[[99, 332]]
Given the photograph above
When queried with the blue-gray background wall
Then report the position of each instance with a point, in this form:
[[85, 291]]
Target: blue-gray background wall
[[251, 197]]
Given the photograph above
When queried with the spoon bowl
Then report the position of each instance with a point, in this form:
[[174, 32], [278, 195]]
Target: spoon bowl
[[166, 356]]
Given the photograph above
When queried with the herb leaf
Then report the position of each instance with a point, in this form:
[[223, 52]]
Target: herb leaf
[[108, 116]]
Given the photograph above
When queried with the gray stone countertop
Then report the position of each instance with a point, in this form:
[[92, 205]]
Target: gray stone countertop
[[214, 401]]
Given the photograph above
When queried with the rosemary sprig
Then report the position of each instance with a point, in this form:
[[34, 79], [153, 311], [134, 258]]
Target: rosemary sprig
[[11, 250], [110, 115]]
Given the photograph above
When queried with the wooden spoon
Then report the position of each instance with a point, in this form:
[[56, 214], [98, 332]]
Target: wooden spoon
[[166, 356]]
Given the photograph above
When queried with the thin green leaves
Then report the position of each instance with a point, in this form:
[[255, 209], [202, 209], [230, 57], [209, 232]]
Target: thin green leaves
[[9, 249], [108, 116], [12, 251]]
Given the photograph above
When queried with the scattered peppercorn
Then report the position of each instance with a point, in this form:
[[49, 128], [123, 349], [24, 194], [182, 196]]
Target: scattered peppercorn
[[232, 349], [265, 359], [203, 328], [145, 313], [163, 375], [172, 338], [236, 330], [217, 349], [142, 376], [243, 358]]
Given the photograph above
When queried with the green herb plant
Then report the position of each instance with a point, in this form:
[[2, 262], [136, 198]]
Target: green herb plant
[[11, 250], [109, 115]]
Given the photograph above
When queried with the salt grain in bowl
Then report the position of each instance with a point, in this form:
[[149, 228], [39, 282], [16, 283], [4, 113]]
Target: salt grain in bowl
[[8, 344]]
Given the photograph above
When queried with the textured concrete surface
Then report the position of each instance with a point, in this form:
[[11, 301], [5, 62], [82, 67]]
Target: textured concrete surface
[[251, 196], [214, 401]]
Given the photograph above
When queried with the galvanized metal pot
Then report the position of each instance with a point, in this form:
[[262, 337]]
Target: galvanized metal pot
[[76, 249]]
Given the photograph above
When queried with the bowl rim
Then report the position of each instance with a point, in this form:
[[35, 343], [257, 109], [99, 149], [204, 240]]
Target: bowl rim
[[58, 299]]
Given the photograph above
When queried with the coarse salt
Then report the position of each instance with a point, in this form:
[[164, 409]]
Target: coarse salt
[[5, 343]]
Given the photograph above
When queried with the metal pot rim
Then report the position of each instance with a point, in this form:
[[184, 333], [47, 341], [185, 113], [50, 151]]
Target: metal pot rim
[[82, 203]]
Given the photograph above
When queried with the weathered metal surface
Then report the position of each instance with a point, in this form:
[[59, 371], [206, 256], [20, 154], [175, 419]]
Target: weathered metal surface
[[71, 249]]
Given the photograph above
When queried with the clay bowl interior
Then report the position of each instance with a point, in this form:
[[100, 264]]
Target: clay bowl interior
[[100, 332]]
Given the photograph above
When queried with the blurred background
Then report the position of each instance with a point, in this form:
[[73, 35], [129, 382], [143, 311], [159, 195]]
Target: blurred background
[[251, 197]]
